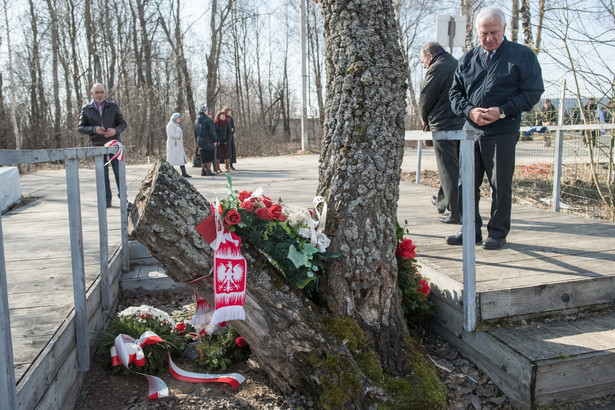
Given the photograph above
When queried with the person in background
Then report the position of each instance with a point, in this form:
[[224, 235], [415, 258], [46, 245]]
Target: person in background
[[207, 140], [223, 130], [494, 83], [103, 121], [228, 112], [547, 115], [437, 115], [176, 155]]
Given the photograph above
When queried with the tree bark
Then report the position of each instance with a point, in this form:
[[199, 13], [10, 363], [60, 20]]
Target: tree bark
[[360, 168], [286, 332]]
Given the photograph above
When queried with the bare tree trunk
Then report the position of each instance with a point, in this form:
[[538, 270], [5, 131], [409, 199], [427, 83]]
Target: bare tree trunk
[[55, 45], [360, 169], [526, 23], [18, 138], [213, 59], [541, 16], [315, 53], [514, 21], [288, 335]]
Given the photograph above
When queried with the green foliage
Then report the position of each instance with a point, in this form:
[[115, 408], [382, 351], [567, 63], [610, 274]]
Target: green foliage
[[156, 359], [220, 352], [297, 259]]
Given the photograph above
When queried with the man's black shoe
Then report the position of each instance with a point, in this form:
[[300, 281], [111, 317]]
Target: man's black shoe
[[109, 204], [458, 240], [233, 168], [493, 243], [434, 202], [448, 220], [203, 173]]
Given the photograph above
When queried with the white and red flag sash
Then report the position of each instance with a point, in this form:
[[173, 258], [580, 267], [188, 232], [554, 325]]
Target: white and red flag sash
[[229, 270], [127, 350], [120, 150]]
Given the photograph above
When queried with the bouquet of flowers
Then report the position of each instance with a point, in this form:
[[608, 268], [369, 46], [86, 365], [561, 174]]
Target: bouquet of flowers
[[288, 235], [415, 288]]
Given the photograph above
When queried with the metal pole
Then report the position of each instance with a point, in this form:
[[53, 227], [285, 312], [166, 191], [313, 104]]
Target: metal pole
[[559, 150], [8, 389], [468, 232], [124, 217], [76, 251], [419, 156], [303, 34], [103, 232]]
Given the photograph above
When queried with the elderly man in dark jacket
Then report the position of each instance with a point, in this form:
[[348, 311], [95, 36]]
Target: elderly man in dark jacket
[[103, 121], [437, 115], [494, 83]]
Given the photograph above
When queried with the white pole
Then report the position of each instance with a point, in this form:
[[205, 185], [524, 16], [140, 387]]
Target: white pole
[[559, 149], [303, 34]]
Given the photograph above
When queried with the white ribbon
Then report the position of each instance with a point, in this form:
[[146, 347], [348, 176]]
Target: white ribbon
[[127, 350]]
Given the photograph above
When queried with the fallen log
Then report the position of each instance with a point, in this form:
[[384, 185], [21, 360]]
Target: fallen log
[[299, 345]]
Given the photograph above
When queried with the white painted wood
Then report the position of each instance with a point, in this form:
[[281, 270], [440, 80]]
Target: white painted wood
[[559, 150], [8, 393], [76, 240], [124, 217], [11, 157], [10, 189], [102, 229]]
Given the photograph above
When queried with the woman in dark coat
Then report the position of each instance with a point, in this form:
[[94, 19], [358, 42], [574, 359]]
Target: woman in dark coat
[[206, 139], [223, 130], [228, 112]]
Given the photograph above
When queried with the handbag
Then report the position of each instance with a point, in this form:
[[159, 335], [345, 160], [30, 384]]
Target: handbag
[[196, 161]]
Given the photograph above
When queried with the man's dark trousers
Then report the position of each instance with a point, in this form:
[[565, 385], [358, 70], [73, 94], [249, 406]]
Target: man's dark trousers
[[491, 153], [447, 160], [116, 171]]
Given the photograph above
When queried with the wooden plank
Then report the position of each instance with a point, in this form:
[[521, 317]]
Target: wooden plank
[[14, 157], [8, 394], [587, 334], [546, 298], [567, 378], [511, 372], [528, 341]]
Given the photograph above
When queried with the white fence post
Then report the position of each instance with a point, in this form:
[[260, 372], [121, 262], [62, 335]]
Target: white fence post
[[468, 222], [76, 250], [8, 389], [124, 217], [559, 150], [103, 234]]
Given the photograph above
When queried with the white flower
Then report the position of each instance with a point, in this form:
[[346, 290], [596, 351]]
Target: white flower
[[322, 242], [305, 232], [157, 314]]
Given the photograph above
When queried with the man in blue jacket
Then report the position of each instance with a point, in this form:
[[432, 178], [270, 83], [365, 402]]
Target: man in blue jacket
[[493, 84], [103, 121]]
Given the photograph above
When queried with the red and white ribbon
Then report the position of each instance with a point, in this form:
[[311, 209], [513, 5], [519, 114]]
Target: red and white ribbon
[[127, 350], [120, 150]]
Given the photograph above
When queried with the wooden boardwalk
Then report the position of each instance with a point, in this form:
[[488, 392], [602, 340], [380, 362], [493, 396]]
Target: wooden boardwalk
[[551, 262]]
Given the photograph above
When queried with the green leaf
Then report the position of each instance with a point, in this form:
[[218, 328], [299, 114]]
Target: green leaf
[[298, 258], [309, 249]]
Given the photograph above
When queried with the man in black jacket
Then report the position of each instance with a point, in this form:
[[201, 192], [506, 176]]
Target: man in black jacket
[[437, 115], [104, 122], [493, 84]]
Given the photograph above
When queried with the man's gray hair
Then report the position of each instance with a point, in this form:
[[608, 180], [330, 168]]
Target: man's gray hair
[[432, 48], [490, 13]]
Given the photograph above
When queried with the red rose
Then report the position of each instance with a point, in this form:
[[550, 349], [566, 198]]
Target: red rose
[[202, 332], [240, 342], [232, 218], [248, 206], [243, 195], [181, 327], [282, 218], [266, 201], [276, 211], [264, 213], [405, 249], [222, 324], [424, 287]]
